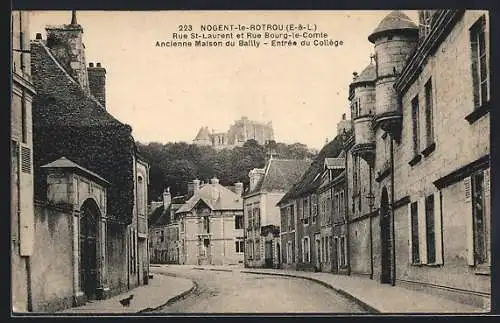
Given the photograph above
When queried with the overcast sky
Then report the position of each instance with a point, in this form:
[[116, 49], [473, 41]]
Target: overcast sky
[[167, 94]]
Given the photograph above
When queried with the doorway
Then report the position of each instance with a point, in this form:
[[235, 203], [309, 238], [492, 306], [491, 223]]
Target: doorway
[[89, 221], [268, 259], [385, 238]]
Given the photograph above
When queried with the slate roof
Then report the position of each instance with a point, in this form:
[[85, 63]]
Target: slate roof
[[335, 163], [396, 20], [216, 196], [367, 75], [63, 162], [203, 134], [311, 178], [60, 100], [280, 175], [156, 214]]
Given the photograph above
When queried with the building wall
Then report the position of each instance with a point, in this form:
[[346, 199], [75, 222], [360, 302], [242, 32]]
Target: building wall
[[253, 242], [287, 236], [22, 213], [222, 239], [116, 249], [457, 143], [52, 264]]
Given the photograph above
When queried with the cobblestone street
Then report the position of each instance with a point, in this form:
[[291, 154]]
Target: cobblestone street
[[236, 292]]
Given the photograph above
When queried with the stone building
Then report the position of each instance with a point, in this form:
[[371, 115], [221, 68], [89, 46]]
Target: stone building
[[418, 161], [211, 225], [306, 245], [21, 171], [262, 216], [164, 230], [90, 186], [238, 133]]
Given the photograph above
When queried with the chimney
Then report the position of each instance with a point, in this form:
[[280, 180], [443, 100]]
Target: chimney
[[66, 44], [214, 180], [343, 125], [97, 82], [196, 186], [238, 187], [255, 176], [167, 198]]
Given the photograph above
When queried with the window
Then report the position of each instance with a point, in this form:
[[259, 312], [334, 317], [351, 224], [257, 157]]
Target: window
[[206, 224], [289, 252], [306, 256], [250, 219], [238, 222], [479, 219], [250, 249], [415, 125], [429, 122], [430, 229], [24, 119], [328, 248], [300, 213], [414, 233], [306, 210], [341, 204], [162, 236], [343, 247], [314, 207], [291, 216], [240, 246], [323, 250], [257, 249], [480, 72]]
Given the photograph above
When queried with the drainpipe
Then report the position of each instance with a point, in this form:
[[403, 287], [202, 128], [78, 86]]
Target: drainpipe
[[346, 209], [28, 278], [370, 203], [393, 280]]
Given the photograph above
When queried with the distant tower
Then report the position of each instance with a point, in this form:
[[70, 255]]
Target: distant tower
[[203, 137]]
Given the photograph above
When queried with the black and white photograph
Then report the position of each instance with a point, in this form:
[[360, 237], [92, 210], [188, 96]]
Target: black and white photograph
[[191, 162]]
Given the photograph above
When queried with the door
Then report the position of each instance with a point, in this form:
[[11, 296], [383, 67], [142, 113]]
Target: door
[[318, 253], [268, 254], [88, 250], [385, 234]]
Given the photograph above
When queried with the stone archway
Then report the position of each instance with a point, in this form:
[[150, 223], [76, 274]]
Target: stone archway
[[89, 248], [385, 238]]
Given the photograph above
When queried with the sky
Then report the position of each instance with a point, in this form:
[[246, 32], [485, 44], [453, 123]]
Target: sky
[[167, 94]]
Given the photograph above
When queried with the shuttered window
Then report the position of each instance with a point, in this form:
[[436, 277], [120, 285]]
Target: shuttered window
[[480, 71]]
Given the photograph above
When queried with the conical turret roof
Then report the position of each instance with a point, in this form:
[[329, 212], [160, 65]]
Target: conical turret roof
[[203, 134], [396, 20]]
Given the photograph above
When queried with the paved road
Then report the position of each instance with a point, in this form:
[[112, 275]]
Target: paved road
[[235, 292]]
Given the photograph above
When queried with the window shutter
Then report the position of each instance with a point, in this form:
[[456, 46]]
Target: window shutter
[[422, 232], [468, 220], [486, 182], [26, 216], [438, 228], [410, 242]]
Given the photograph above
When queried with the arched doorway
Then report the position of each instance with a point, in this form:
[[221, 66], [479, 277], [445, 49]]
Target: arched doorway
[[89, 223], [385, 238]]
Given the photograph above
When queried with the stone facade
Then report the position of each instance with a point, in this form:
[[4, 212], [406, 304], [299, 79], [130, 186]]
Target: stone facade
[[421, 158], [210, 226], [262, 219], [21, 171], [72, 131], [238, 133]]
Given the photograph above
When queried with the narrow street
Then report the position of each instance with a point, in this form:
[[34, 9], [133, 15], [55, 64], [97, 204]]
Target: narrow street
[[235, 292]]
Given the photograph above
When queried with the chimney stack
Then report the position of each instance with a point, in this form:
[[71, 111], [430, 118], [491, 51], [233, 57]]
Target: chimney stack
[[167, 198], [97, 82], [196, 186], [238, 187], [66, 44]]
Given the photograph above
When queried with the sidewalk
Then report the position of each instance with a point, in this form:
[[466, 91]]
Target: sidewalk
[[160, 290], [376, 297]]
